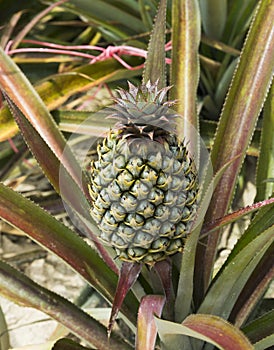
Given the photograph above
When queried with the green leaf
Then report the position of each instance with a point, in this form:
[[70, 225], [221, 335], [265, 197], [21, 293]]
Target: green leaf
[[238, 21], [254, 289], [146, 327], [236, 215], [59, 239], [243, 104], [103, 13], [230, 281], [262, 221], [17, 287], [213, 14], [146, 16], [49, 147], [185, 65], [51, 164], [61, 180], [209, 328], [265, 165], [184, 297], [260, 331], [86, 122], [58, 88], [155, 62], [24, 96]]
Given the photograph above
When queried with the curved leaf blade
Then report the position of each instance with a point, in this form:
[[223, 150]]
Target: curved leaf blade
[[243, 104], [255, 289], [209, 328], [236, 215], [25, 97], [260, 331], [230, 281], [17, 287], [146, 327], [59, 239], [184, 296]]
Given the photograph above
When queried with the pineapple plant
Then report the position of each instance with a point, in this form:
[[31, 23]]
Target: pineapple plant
[[144, 184], [165, 302]]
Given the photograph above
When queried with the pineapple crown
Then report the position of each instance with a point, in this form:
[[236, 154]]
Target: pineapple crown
[[144, 107]]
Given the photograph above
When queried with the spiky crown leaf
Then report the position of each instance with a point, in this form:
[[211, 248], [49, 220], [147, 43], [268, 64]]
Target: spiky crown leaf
[[144, 105]]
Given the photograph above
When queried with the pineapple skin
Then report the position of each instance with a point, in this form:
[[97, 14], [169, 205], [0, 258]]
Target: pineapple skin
[[144, 184]]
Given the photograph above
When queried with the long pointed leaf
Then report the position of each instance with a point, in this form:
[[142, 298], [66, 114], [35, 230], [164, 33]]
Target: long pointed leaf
[[185, 295], [229, 283], [185, 64], [50, 233], [22, 93], [155, 61], [243, 105], [128, 275], [150, 306], [209, 328], [19, 288], [236, 215], [50, 163], [254, 289], [61, 180], [265, 165], [260, 329]]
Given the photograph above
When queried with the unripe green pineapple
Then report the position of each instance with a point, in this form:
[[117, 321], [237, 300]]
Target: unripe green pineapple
[[144, 184]]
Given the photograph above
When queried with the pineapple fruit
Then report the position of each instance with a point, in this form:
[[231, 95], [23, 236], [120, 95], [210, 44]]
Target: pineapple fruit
[[144, 183]]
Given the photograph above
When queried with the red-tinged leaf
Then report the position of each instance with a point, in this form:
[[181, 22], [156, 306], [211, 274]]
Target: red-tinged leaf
[[228, 219], [242, 107], [186, 31], [218, 331], [61, 180], [128, 275], [24, 96], [254, 289], [230, 281], [60, 87], [146, 327], [59, 239], [49, 162], [155, 62], [209, 328], [17, 287], [164, 270]]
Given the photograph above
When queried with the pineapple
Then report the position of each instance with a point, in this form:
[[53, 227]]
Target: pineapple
[[144, 184]]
